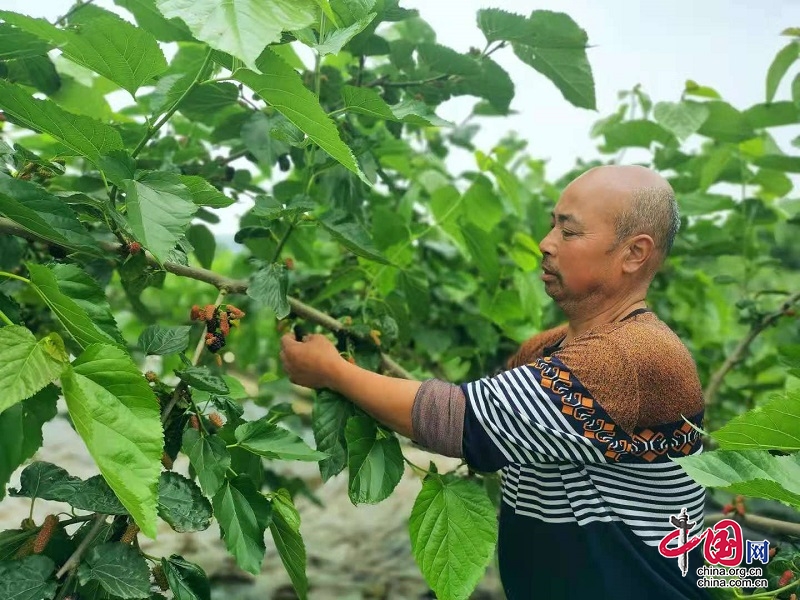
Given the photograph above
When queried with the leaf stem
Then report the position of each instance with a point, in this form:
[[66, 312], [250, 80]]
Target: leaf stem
[[151, 131], [9, 322], [12, 276], [283, 241], [416, 467], [770, 593], [72, 11], [72, 561]]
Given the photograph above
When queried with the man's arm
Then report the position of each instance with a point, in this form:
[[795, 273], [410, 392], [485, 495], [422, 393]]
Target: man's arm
[[315, 363]]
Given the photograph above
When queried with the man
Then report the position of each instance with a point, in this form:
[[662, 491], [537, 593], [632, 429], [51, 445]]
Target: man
[[584, 423]]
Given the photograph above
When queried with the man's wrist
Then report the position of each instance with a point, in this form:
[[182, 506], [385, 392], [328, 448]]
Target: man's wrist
[[334, 374]]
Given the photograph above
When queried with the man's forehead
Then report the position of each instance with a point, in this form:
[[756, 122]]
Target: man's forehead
[[565, 217]]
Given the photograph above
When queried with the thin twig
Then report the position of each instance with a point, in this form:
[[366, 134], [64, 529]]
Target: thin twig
[[233, 286], [715, 381], [756, 522], [73, 560], [384, 82], [72, 11]]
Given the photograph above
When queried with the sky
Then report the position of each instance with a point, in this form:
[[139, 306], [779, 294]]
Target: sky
[[725, 44]]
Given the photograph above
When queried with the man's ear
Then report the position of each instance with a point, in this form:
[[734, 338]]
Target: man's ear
[[640, 249]]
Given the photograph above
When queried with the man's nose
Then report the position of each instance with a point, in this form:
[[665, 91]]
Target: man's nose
[[547, 245]]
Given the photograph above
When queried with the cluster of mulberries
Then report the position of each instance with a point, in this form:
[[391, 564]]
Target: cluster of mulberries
[[219, 320]]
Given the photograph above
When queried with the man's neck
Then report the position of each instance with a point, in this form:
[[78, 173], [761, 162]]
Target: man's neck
[[580, 324]]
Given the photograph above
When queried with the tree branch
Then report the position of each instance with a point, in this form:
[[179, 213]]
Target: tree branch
[[73, 560], [384, 82], [229, 285], [715, 381], [766, 524]]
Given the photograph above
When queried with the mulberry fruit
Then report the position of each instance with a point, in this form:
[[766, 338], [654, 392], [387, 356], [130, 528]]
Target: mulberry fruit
[[216, 419], [160, 577], [134, 248], [224, 324], [194, 422], [210, 309], [166, 461], [130, 534], [196, 313], [235, 312], [45, 533], [216, 342], [785, 578]]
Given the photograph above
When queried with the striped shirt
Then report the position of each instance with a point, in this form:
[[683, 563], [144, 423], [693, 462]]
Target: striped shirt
[[584, 471]]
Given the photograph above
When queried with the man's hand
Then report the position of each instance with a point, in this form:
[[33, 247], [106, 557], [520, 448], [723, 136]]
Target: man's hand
[[311, 363]]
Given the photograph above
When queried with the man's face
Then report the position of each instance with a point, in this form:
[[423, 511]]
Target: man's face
[[577, 263]]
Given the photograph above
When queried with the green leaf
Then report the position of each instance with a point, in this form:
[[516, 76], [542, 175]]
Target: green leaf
[[81, 135], [156, 339], [204, 244], [203, 193], [21, 431], [103, 43], [453, 529], [775, 114], [55, 284], [681, 118], [779, 162], [202, 378], [243, 515], [285, 529], [16, 43], [95, 495], [367, 101], [557, 49], [181, 504], [28, 579], [148, 18], [258, 138], [206, 100], [499, 25], [483, 250], [209, 457], [242, 28], [718, 159], [119, 568], [336, 39], [638, 134], [328, 420], [754, 473], [35, 71], [83, 100], [117, 415], [725, 123], [27, 365], [351, 235], [79, 286], [270, 441], [374, 460], [774, 425], [780, 65], [160, 208], [281, 87], [11, 540], [269, 286], [186, 580]]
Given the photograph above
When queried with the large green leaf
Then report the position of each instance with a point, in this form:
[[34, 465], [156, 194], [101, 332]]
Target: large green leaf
[[160, 208], [117, 415], [374, 460], [367, 101], [775, 114], [16, 43], [351, 235], [453, 529], [285, 529], [754, 473], [483, 250], [209, 457], [205, 194], [243, 515], [269, 286], [76, 314], [725, 123], [51, 482], [773, 426], [201, 378], [76, 284], [150, 19], [779, 162], [181, 504], [27, 365], [242, 28], [104, 43], [28, 579], [271, 441], [21, 431], [638, 133], [37, 72], [681, 118], [186, 580], [328, 420], [82, 135], [119, 568], [499, 25], [556, 47], [156, 339], [335, 39], [780, 65], [281, 87]]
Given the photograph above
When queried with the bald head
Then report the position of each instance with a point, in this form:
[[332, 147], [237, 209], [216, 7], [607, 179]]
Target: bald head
[[639, 201]]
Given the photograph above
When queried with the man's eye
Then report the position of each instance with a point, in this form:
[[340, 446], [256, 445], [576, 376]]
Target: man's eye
[[566, 233]]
